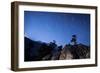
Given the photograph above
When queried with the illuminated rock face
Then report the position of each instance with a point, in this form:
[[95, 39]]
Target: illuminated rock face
[[78, 51], [65, 54]]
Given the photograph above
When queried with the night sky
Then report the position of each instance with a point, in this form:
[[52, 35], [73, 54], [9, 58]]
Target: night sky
[[49, 26]]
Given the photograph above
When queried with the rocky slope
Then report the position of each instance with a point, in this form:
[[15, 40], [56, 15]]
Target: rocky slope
[[39, 51]]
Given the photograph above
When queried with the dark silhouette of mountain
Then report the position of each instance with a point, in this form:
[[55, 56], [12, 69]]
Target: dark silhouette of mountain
[[31, 49], [35, 50], [38, 51]]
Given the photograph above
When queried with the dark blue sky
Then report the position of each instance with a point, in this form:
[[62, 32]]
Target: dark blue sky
[[49, 26]]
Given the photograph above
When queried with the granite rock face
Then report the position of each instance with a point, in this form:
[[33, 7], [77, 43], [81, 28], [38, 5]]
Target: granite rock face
[[78, 51]]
